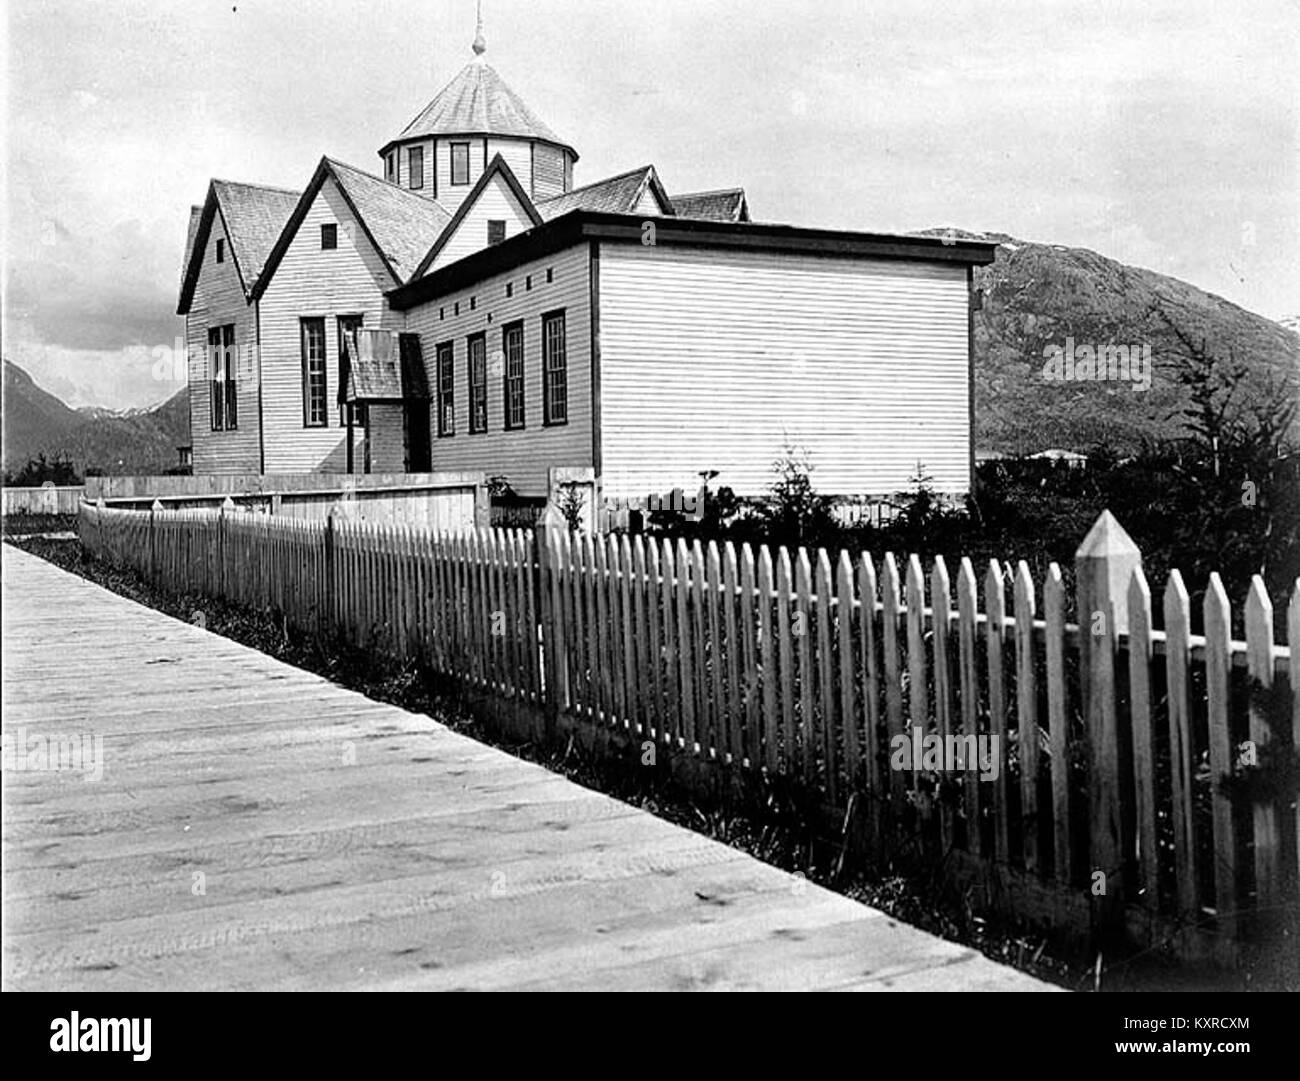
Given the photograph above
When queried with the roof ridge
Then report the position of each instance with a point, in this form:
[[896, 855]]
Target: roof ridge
[[598, 183], [259, 187], [711, 191]]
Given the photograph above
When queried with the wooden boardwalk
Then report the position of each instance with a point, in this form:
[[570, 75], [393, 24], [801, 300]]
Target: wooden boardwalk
[[257, 827]]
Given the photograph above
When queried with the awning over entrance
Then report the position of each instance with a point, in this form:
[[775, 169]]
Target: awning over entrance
[[384, 366]]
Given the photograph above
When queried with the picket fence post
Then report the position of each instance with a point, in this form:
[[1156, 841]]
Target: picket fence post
[[1104, 566]]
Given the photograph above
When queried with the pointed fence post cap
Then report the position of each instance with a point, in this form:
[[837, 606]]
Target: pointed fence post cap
[[552, 518], [227, 504], [157, 505], [1104, 566]]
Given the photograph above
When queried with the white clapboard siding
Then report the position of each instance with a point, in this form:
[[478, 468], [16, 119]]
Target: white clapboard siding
[[349, 280], [522, 456], [495, 201], [387, 439], [551, 174], [452, 195], [219, 300], [518, 154], [714, 360]]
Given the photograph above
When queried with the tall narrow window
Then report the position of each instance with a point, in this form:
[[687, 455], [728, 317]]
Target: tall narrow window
[[477, 344], [512, 345], [496, 231], [555, 370], [415, 162], [348, 325], [221, 250], [446, 391], [314, 397], [231, 387], [460, 163], [222, 388], [216, 379], [329, 237]]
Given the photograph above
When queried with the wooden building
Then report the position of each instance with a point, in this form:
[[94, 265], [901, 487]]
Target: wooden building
[[472, 309]]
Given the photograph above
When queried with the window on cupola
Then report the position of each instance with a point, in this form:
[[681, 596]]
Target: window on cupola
[[460, 163], [416, 162]]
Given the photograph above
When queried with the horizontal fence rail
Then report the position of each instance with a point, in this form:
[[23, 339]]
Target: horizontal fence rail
[[1100, 775]]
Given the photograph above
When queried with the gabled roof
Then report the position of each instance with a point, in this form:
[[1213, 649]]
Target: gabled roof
[[478, 102], [498, 166], [616, 195], [196, 214], [726, 204], [399, 224], [253, 215]]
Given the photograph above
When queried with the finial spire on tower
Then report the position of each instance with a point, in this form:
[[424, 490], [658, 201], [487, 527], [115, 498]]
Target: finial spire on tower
[[480, 45]]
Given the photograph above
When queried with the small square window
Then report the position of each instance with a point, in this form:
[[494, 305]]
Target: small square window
[[329, 237], [221, 250], [496, 231]]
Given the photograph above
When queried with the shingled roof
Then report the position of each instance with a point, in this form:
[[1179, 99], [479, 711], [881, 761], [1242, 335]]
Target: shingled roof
[[478, 102], [400, 224], [254, 216], [727, 204], [616, 195]]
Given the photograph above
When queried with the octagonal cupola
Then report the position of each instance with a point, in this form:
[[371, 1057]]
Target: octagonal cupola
[[446, 148]]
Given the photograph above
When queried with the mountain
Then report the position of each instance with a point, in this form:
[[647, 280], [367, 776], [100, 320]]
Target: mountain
[[1035, 296], [133, 441]]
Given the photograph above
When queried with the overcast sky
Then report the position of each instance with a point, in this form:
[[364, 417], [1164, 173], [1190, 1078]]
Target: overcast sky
[[1163, 134]]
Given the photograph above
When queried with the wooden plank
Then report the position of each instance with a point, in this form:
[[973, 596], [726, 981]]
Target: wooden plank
[[845, 617], [1259, 661], [1144, 761], [995, 632], [785, 682], [1293, 677], [868, 641], [737, 695], [941, 621], [628, 588], [612, 653], [918, 693], [826, 692], [720, 732], [1058, 722], [766, 748], [1027, 715], [672, 646], [685, 646], [654, 617], [699, 669], [1178, 629], [891, 617]]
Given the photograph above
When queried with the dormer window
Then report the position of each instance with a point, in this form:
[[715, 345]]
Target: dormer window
[[460, 163], [496, 231], [416, 162], [221, 250], [390, 168], [329, 237]]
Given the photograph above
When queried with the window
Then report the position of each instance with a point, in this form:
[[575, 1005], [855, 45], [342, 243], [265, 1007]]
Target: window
[[221, 250], [528, 283], [555, 370], [446, 391], [460, 163], [496, 231], [390, 167], [314, 397], [512, 345], [348, 325], [550, 275], [329, 237], [223, 390], [477, 383], [510, 289], [415, 161]]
